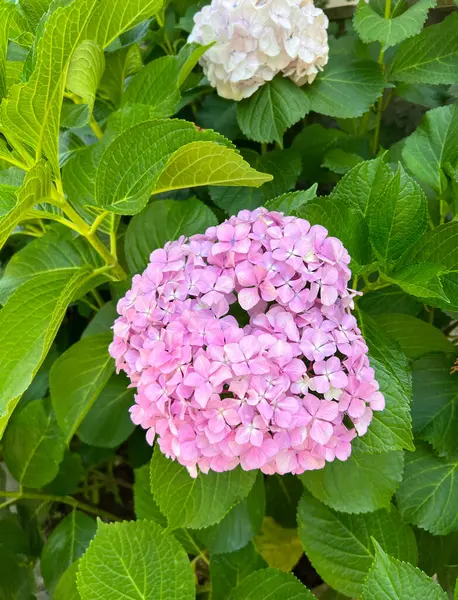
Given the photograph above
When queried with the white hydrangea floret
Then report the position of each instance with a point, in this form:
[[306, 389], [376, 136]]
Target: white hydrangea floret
[[256, 39]]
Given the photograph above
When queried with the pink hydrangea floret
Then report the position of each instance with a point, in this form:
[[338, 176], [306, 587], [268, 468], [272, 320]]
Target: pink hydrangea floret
[[285, 392]]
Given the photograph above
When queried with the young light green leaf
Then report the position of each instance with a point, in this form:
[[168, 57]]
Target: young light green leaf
[[392, 579], [66, 544], [345, 89], [119, 64], [239, 525], [7, 10], [363, 483], [398, 219], [196, 502], [33, 445], [416, 337], [269, 112], [37, 184], [77, 378], [85, 71], [421, 279], [430, 57], [428, 493], [227, 570], [432, 145], [273, 584], [404, 22], [335, 540], [155, 85], [435, 403], [28, 324], [66, 588], [187, 59], [161, 222], [149, 564]]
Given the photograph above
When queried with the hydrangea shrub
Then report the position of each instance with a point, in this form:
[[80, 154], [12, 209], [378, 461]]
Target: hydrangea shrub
[[228, 289]]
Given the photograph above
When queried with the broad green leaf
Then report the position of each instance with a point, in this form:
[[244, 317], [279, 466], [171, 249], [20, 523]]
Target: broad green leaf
[[33, 445], [279, 546], [108, 423], [432, 145], [269, 112], [132, 164], [187, 59], [345, 88], [17, 580], [148, 564], [102, 321], [12, 536], [6, 14], [282, 496], [341, 162], [273, 584], [199, 502], [66, 588], [73, 116], [344, 222], [404, 22], [339, 545], [428, 493], [363, 185], [32, 110], [358, 485], [435, 403], [376, 302], [119, 64], [390, 428], [71, 472], [34, 10], [398, 219], [85, 71], [77, 378], [56, 250], [156, 85], [312, 144], [239, 525], [421, 279], [283, 165], [392, 579], [219, 114], [37, 185], [430, 57], [227, 570], [66, 544], [291, 202], [160, 222], [416, 337], [28, 324]]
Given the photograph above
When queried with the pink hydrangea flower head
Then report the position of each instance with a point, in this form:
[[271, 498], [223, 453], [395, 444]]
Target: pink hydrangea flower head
[[285, 393]]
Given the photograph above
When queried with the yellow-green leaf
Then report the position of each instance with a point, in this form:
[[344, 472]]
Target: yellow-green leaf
[[85, 71], [279, 546]]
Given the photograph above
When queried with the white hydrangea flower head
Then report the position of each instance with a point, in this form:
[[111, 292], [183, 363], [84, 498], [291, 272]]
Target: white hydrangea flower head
[[254, 40]]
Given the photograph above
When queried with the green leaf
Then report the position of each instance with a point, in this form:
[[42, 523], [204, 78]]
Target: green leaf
[[341, 162], [291, 202], [435, 403], [17, 580], [37, 185], [375, 302], [432, 145], [156, 85], [339, 545], [395, 580], [71, 472], [273, 584], [56, 250], [421, 279], [85, 71], [187, 59], [405, 21], [390, 428], [148, 563], [13, 537], [66, 544], [398, 218], [34, 10], [33, 445], [119, 64], [28, 324], [345, 88], [428, 493], [74, 116], [219, 114], [77, 378], [358, 485], [430, 57], [282, 496], [227, 570], [199, 502], [239, 525], [161, 150], [6, 14], [160, 222], [312, 144], [108, 422], [415, 337], [269, 112], [66, 588], [279, 546], [102, 321]]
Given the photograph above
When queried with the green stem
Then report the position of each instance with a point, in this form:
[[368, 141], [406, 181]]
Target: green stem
[[380, 107], [98, 298], [16, 496], [97, 130], [14, 162]]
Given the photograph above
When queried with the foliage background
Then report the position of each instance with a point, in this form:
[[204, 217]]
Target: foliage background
[[370, 151]]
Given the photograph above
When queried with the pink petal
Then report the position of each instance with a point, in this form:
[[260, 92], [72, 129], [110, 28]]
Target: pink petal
[[248, 298], [321, 431], [328, 410]]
